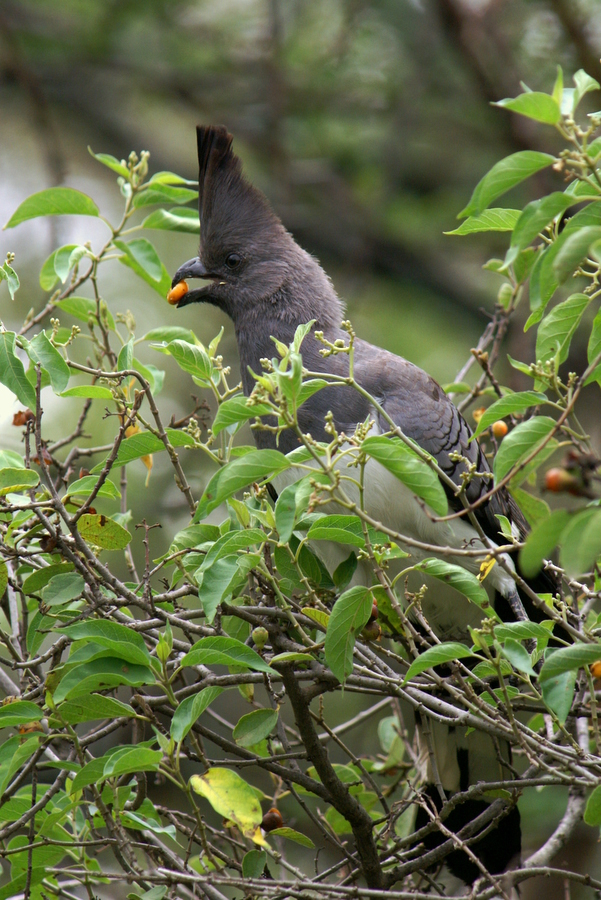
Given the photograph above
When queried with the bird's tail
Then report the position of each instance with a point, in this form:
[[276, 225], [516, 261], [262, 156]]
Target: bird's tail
[[453, 759]]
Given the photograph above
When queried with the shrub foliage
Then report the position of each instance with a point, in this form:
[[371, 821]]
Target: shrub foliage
[[98, 638]]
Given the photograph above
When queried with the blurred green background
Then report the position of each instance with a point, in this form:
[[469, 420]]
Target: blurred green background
[[366, 122]]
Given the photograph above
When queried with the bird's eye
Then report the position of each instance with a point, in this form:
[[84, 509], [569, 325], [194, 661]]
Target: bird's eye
[[233, 260]]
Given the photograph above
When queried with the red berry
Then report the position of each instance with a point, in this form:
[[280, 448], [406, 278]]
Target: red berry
[[272, 820]]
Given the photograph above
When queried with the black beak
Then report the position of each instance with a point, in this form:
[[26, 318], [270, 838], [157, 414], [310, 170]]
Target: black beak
[[191, 269]]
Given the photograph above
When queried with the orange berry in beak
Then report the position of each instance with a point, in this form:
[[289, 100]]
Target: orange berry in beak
[[176, 293]]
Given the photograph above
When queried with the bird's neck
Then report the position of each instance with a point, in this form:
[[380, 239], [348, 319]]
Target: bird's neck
[[306, 294]]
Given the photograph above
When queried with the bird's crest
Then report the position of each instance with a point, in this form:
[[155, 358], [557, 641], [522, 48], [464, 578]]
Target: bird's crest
[[224, 195]]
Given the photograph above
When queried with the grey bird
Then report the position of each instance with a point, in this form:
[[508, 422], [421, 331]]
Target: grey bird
[[268, 285]]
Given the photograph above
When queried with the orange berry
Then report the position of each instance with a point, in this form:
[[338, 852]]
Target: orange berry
[[596, 669], [499, 429], [374, 610], [558, 480], [272, 819], [176, 293], [478, 413]]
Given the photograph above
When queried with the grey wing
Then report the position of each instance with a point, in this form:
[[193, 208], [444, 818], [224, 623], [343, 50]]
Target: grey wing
[[419, 406]]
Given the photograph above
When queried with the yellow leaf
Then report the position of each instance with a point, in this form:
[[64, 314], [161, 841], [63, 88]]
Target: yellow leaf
[[233, 798], [486, 567], [319, 617]]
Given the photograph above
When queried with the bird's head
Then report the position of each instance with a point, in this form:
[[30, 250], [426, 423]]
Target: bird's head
[[243, 245]]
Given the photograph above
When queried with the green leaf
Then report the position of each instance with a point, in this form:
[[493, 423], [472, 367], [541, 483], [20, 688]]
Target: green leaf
[[308, 389], [103, 532], [167, 333], [12, 372], [138, 759], [3, 577], [231, 797], [67, 257], [543, 280], [83, 308], [558, 693], [155, 192], [48, 276], [504, 175], [292, 503], [558, 86], [216, 584], [91, 391], [111, 163], [87, 484], [224, 651], [509, 404], [33, 876], [436, 656], [253, 863], [592, 812], [193, 536], [594, 349], [191, 358], [537, 215], [38, 580], [566, 659], [41, 351], [255, 726], [458, 578], [190, 709], [62, 588], [541, 542], [57, 201], [228, 543], [581, 542], [489, 220], [185, 220], [573, 250], [145, 443], [237, 410], [343, 529], [351, 612], [290, 656], [534, 508], [518, 656], [124, 642], [94, 706], [143, 253], [161, 285], [91, 773], [164, 177], [14, 481], [521, 631], [292, 835], [584, 83], [126, 356], [405, 465], [519, 443], [14, 752], [237, 474], [11, 460], [534, 105], [19, 712], [101, 674], [8, 274]]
